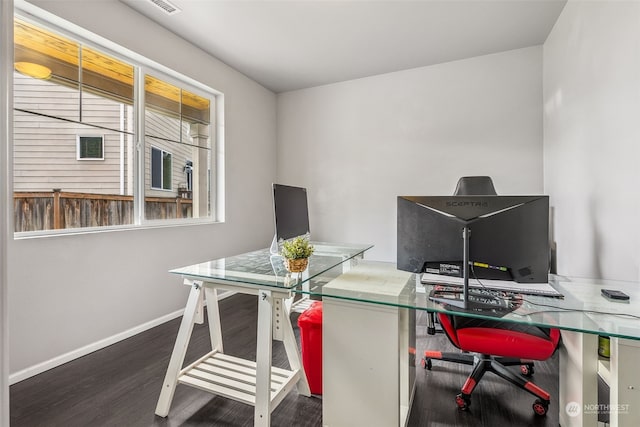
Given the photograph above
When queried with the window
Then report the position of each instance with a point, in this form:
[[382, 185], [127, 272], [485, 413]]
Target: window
[[177, 121], [90, 148], [160, 169], [73, 97]]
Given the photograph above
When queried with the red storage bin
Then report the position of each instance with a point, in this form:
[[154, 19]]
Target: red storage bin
[[310, 324]]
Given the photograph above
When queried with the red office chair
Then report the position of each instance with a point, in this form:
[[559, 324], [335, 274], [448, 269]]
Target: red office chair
[[498, 343]]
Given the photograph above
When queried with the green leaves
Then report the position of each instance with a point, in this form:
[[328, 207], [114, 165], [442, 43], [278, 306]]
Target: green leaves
[[297, 248]]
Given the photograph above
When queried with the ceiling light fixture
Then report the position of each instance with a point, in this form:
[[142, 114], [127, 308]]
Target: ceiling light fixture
[[34, 70]]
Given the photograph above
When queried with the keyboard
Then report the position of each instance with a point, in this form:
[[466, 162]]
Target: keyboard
[[489, 301]]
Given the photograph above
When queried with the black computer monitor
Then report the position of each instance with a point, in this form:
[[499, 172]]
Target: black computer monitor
[[291, 212], [509, 234]]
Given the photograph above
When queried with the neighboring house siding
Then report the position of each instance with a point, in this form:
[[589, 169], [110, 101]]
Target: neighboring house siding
[[45, 156], [168, 128]]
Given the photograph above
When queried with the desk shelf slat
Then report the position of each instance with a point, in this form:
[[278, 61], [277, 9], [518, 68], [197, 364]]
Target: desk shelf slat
[[235, 378]]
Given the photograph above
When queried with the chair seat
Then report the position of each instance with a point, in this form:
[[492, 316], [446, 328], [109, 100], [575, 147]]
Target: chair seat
[[507, 343], [500, 338], [498, 344]]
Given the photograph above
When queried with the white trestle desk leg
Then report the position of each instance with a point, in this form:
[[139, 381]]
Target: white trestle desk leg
[[262, 413], [213, 316], [179, 350], [288, 303], [346, 266], [578, 379], [295, 361], [624, 394], [279, 312], [199, 317], [306, 286]]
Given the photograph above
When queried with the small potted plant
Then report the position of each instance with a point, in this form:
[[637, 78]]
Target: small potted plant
[[296, 253]]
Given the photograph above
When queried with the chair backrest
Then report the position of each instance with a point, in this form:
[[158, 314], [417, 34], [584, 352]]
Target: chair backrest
[[475, 186]]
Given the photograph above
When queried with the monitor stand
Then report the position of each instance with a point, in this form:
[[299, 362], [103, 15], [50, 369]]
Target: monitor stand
[[463, 303], [274, 249]]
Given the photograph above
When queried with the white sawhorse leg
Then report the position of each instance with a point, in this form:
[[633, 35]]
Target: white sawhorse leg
[[213, 316], [273, 323], [193, 313], [179, 350], [288, 338], [262, 412], [273, 319]]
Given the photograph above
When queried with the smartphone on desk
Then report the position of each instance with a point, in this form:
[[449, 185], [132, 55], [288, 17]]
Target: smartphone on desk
[[615, 294]]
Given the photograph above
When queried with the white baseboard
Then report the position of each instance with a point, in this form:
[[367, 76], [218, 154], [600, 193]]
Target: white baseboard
[[90, 348]]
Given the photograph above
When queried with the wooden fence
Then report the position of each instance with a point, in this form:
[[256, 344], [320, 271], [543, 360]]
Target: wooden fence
[[34, 211]]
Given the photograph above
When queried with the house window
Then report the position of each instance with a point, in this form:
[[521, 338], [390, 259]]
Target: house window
[[90, 147], [160, 169], [129, 168]]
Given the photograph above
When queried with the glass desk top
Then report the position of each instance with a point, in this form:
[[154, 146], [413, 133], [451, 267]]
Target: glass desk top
[[583, 308], [261, 268]]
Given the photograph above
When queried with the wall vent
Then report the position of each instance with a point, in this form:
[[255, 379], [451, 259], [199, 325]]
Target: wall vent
[[166, 7]]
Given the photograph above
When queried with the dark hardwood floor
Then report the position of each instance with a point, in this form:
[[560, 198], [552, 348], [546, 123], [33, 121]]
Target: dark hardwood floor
[[119, 385]]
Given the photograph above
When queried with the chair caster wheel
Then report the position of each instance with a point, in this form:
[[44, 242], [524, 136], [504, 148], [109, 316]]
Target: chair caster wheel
[[426, 363], [527, 370], [540, 407], [463, 401]]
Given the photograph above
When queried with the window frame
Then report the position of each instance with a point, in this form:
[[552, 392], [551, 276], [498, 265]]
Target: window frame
[[79, 150], [163, 152], [142, 66]]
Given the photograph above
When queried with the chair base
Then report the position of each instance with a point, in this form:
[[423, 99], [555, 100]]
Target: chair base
[[483, 363]]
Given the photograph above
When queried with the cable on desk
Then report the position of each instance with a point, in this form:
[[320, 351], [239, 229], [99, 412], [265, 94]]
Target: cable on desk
[[473, 271], [577, 310], [559, 309]]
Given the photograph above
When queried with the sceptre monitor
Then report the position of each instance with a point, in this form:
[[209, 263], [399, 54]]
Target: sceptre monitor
[[505, 233]]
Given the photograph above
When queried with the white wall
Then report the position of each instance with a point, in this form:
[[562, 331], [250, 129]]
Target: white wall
[[68, 292], [359, 144], [591, 138], [6, 46]]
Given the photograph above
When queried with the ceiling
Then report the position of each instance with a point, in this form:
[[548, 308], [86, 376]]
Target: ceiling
[[294, 44]]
